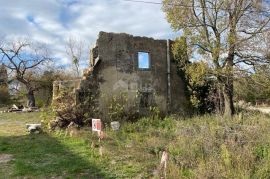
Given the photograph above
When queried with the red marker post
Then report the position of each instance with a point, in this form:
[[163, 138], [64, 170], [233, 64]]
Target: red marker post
[[96, 126]]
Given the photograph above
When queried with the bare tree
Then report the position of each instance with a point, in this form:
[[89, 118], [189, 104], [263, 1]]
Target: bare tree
[[23, 59], [74, 50], [226, 32]]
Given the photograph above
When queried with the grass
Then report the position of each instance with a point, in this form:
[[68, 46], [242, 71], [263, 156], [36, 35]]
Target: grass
[[45, 155], [12, 124], [200, 147]]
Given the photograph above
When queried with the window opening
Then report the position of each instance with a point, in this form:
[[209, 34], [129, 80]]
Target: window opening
[[143, 60]]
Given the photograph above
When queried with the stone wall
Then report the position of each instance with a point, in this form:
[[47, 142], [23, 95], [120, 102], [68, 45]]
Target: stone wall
[[114, 71], [68, 86]]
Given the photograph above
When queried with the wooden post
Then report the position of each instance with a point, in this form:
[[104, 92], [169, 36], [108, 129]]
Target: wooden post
[[163, 162]]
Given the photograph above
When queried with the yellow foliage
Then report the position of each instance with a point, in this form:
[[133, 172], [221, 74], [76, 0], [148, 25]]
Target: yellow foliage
[[197, 73]]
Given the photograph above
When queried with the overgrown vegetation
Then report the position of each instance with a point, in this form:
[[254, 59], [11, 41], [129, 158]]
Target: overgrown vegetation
[[67, 111], [253, 87], [230, 66], [197, 79], [200, 147], [220, 33], [116, 108], [121, 109]]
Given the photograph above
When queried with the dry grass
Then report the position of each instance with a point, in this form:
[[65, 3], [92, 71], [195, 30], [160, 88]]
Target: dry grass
[[13, 124], [200, 147]]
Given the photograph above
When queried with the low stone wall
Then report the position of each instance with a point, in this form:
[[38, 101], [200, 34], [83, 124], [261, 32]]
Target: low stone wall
[[68, 86]]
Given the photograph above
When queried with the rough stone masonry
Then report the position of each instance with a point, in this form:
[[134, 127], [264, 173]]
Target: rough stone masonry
[[141, 68]]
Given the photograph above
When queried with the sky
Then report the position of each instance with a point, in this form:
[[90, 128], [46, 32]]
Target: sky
[[53, 21], [143, 60]]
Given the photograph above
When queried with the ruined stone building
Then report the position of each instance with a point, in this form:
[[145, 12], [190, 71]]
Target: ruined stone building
[[140, 68]]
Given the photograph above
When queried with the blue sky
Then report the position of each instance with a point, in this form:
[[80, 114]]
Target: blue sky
[[144, 60], [54, 21]]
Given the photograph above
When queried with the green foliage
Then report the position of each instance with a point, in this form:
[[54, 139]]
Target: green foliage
[[4, 95], [262, 152], [197, 73], [180, 52], [119, 108], [200, 86], [254, 87], [44, 83], [195, 76], [214, 31], [225, 154], [47, 115]]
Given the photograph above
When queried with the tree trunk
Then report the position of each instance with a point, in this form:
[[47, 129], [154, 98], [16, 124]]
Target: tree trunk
[[228, 83], [228, 99], [220, 102], [228, 87], [31, 102]]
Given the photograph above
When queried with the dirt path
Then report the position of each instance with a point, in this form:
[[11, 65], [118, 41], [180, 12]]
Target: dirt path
[[265, 110]]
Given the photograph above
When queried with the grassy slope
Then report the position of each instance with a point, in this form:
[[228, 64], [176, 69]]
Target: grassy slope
[[201, 147]]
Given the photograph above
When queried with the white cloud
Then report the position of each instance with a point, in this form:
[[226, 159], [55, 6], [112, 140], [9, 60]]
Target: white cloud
[[53, 21]]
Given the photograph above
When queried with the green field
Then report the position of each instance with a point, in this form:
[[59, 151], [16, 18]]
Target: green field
[[45, 155], [201, 147]]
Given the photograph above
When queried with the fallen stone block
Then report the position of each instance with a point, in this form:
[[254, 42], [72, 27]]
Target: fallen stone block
[[27, 110], [15, 106], [115, 125], [34, 128]]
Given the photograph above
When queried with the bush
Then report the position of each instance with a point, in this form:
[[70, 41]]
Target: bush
[[119, 109], [67, 111]]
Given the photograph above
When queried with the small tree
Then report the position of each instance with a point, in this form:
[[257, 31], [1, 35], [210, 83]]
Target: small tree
[[23, 59], [74, 50], [45, 82]]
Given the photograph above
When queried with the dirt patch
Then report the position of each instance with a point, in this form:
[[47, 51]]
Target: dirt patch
[[4, 158]]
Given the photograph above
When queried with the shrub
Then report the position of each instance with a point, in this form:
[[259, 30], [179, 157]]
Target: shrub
[[67, 111], [118, 108]]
